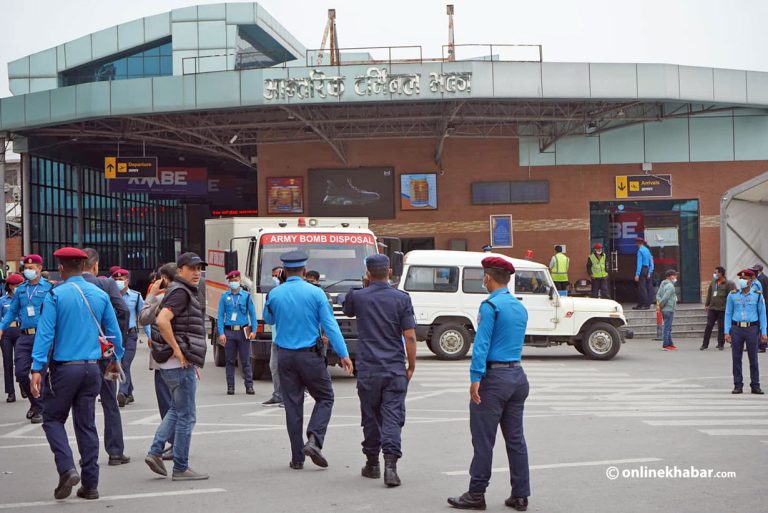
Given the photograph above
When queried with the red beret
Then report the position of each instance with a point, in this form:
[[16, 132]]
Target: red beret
[[498, 263], [118, 272], [233, 274], [749, 273], [69, 253], [33, 259], [598, 246], [639, 239], [114, 269], [15, 279]]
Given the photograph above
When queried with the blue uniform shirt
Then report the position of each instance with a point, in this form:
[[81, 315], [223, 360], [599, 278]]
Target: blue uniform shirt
[[644, 258], [67, 324], [26, 296], [5, 305], [749, 307], [757, 286], [383, 313], [235, 309], [500, 334], [299, 309], [134, 302]]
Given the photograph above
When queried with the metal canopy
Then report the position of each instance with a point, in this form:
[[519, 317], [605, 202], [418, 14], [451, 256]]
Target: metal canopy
[[235, 134]]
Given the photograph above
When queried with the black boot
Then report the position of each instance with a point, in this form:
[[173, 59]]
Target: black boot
[[468, 500], [518, 503], [313, 450], [372, 469], [390, 470]]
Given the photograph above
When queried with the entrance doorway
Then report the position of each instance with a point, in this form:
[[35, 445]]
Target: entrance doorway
[[671, 228], [417, 243]]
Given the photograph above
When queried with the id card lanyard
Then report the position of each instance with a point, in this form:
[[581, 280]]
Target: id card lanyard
[[234, 311], [30, 306]]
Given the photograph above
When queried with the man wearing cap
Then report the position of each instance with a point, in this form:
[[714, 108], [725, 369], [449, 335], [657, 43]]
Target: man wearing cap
[[179, 346], [598, 272], [26, 305], [10, 335], [74, 316], [114, 443], [666, 302], [745, 325], [298, 310], [135, 303], [762, 279], [237, 313], [384, 318], [498, 390], [644, 276]]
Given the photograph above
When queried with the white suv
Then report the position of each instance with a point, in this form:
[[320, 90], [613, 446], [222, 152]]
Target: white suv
[[446, 290]]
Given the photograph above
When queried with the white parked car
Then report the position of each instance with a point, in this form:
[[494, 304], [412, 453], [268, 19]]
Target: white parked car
[[446, 290]]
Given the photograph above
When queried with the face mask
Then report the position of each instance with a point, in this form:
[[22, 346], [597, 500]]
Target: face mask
[[715, 277], [30, 274], [234, 285], [673, 280], [743, 284], [599, 252], [120, 284]]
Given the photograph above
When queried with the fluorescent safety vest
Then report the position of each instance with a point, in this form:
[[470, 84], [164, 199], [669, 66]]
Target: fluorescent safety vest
[[560, 270], [598, 266]]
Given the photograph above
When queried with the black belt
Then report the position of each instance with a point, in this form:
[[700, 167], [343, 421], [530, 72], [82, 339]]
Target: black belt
[[29, 331], [496, 365], [77, 362], [133, 330], [746, 324], [235, 328], [302, 350]]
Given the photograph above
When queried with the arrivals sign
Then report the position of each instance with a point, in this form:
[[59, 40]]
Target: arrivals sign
[[170, 181], [376, 82], [643, 186], [130, 167]]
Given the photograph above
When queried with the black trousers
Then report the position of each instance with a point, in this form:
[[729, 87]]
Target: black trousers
[[299, 370], [561, 285], [382, 408], [600, 286], [646, 296], [749, 337], [714, 316], [113, 424]]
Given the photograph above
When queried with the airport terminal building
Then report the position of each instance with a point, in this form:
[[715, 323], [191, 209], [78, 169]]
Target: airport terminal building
[[472, 147]]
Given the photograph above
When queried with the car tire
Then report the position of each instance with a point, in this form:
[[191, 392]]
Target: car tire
[[601, 341], [219, 358], [429, 346], [450, 341], [260, 369], [578, 347]]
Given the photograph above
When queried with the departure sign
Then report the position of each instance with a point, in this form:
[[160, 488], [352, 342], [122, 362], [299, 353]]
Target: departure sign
[[130, 167], [644, 186]]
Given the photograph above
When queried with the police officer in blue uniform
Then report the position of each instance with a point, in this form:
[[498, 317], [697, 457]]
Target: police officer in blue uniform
[[298, 310], [134, 302], [384, 318], [113, 424], [745, 325], [644, 276], [235, 309], [10, 335], [26, 305], [69, 331], [498, 390]]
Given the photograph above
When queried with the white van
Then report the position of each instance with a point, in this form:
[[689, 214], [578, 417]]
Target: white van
[[446, 288]]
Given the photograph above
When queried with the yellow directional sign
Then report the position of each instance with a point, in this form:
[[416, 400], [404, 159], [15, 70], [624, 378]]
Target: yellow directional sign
[[634, 186], [110, 167], [621, 187], [122, 167]]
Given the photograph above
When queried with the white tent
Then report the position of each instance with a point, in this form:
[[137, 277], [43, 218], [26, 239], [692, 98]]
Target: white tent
[[744, 225]]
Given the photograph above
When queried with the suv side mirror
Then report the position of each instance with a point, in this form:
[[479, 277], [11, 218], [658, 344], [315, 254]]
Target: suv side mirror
[[397, 263], [230, 261], [552, 292]]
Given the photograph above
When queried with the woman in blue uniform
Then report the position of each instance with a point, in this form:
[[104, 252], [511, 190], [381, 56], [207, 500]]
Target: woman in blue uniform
[[10, 335]]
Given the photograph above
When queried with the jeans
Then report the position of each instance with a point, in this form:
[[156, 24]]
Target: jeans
[[131, 341], [163, 397], [181, 417], [667, 331], [277, 393], [714, 316]]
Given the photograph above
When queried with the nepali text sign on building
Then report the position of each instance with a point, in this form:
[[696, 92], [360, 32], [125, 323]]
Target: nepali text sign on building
[[375, 82]]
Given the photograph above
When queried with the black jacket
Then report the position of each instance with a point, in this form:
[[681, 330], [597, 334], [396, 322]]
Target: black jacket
[[110, 287], [188, 328]]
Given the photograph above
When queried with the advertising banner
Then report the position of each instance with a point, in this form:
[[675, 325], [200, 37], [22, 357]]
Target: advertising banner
[[285, 195], [418, 192], [360, 192], [171, 182]]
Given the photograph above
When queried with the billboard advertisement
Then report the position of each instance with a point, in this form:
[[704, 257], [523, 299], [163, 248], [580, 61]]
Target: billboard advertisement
[[360, 192], [418, 191], [285, 195]]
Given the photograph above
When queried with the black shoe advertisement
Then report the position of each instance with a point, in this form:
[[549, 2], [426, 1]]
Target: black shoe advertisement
[[359, 192]]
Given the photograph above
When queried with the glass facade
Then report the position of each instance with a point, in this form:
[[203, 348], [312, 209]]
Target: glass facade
[[153, 61], [71, 206]]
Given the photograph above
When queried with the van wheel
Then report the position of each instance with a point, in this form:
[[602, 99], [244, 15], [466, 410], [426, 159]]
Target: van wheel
[[578, 347], [450, 341], [219, 358], [260, 369], [429, 346], [601, 341]]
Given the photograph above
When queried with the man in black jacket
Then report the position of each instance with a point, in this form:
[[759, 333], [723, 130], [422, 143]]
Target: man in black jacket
[[113, 424]]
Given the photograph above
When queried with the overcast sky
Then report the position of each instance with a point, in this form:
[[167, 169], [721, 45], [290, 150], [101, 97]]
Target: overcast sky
[[727, 34]]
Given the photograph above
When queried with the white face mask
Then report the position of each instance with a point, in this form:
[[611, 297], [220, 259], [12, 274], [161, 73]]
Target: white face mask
[[743, 284], [673, 280], [120, 284], [30, 274], [234, 285]]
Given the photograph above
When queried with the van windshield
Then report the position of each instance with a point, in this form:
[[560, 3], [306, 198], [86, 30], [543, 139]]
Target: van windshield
[[338, 257]]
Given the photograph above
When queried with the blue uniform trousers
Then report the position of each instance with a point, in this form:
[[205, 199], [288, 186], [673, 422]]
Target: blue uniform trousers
[[113, 425], [299, 370], [164, 398], [23, 362], [749, 336], [646, 295], [382, 407], [73, 387], [7, 345], [130, 343], [238, 347], [502, 392]]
